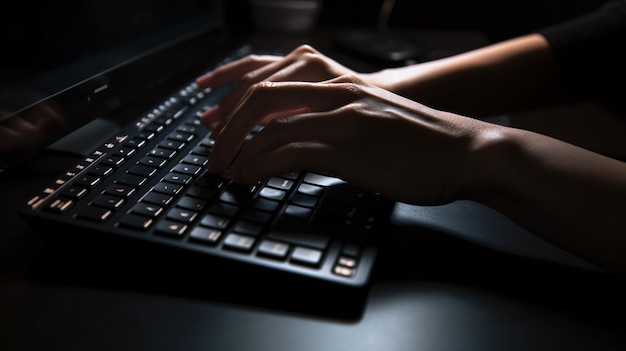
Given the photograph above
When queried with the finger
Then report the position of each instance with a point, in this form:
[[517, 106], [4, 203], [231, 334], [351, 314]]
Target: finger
[[269, 98], [311, 127], [211, 117], [234, 70], [302, 64], [292, 157], [217, 129], [293, 67], [215, 116]]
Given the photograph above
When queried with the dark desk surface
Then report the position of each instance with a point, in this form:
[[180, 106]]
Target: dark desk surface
[[430, 292]]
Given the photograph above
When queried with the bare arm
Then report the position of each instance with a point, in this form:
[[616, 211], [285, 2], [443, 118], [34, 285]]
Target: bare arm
[[566, 194], [499, 78]]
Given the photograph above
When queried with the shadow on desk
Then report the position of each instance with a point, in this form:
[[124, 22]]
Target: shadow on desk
[[418, 257], [154, 271]]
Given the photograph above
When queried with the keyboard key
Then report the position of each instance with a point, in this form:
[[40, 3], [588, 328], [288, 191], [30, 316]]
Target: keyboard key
[[182, 215], [346, 261], [172, 145], [214, 221], [311, 189], [145, 135], [144, 171], [177, 178], [157, 199], [132, 180], [272, 193], [273, 249], [153, 161], [146, 209], [195, 160], [239, 242], [253, 215], [304, 200], [89, 181], [205, 235], [209, 180], [306, 256], [248, 228], [120, 190], [322, 180], [167, 188], [305, 235], [113, 161], [190, 203], [135, 143], [187, 169], [126, 152], [179, 136], [164, 153], [298, 211], [136, 222], [108, 201], [172, 229], [280, 183], [343, 271], [351, 250], [74, 192], [100, 170], [221, 208], [94, 214], [265, 205]]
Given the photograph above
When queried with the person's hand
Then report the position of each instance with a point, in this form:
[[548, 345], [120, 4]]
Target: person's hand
[[358, 132], [302, 64]]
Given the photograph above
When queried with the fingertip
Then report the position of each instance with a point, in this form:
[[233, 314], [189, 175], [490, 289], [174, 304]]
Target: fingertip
[[212, 167], [206, 114], [205, 80], [241, 176], [216, 130], [211, 117], [216, 165]]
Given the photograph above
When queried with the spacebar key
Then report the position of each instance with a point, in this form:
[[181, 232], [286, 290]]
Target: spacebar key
[[301, 233]]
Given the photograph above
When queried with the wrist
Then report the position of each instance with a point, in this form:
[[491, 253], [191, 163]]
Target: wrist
[[494, 166]]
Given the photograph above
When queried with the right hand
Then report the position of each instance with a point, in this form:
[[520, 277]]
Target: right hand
[[354, 130]]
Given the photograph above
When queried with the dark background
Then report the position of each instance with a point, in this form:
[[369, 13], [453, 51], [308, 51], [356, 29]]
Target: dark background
[[497, 19]]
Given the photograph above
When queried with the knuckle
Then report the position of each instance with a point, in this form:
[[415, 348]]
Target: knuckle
[[258, 88], [249, 77], [305, 49], [252, 58], [349, 78], [315, 59], [282, 121]]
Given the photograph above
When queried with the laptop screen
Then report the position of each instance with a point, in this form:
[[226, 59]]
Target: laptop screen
[[68, 62]]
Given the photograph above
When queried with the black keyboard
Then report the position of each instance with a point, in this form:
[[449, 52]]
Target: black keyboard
[[149, 183]]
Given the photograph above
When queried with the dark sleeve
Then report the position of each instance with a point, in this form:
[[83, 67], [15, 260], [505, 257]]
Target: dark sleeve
[[590, 51]]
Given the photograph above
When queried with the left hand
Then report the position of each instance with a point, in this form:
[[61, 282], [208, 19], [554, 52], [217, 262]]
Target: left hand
[[304, 64]]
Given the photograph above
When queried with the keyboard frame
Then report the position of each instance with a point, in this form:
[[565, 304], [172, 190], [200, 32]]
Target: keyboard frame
[[173, 115]]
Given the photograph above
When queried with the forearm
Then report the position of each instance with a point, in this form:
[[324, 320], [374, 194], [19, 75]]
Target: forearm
[[499, 78], [567, 195]]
